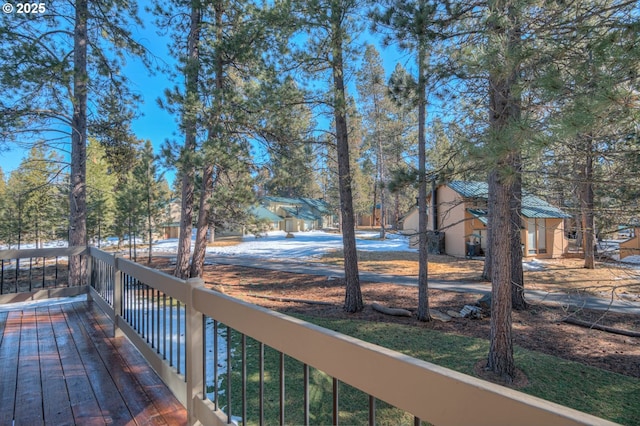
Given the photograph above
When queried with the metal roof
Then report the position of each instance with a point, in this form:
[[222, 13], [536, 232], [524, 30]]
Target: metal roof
[[320, 205], [532, 206], [302, 213], [262, 213], [480, 215]]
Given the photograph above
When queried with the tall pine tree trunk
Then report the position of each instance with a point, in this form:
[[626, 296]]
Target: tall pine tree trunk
[[587, 207], [149, 224], [383, 203], [517, 274], [486, 268], [200, 247], [78, 190], [500, 358], [192, 70], [423, 283], [353, 295], [504, 188]]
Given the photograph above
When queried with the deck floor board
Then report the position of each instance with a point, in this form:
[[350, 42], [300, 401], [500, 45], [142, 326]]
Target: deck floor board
[[59, 366], [56, 407], [29, 387], [9, 346]]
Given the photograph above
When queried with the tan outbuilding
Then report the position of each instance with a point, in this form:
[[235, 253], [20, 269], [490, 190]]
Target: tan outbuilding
[[461, 214]]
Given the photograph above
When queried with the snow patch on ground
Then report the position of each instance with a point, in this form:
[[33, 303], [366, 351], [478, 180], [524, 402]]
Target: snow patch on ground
[[534, 265], [306, 245], [32, 304], [633, 260]]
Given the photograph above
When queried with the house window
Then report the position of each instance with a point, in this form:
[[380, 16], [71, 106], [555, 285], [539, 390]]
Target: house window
[[536, 236]]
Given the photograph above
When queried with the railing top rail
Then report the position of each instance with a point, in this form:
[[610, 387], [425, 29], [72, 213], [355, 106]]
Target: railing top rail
[[42, 252], [171, 286], [103, 256], [433, 393]]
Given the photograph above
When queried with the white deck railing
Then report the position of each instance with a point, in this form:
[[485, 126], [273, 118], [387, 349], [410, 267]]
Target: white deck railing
[[230, 361]]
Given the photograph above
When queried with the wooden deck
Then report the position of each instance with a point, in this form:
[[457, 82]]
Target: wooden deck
[[59, 365]]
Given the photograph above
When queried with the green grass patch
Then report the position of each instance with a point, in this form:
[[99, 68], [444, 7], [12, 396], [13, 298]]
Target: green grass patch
[[602, 393], [591, 390]]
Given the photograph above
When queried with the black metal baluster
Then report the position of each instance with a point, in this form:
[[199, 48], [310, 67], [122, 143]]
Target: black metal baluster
[[261, 362], [156, 336], [146, 313], [229, 370], [215, 364], [372, 410], [204, 357], [30, 273], [244, 379], [335, 402], [306, 394], [178, 336], [171, 331], [282, 388], [164, 326]]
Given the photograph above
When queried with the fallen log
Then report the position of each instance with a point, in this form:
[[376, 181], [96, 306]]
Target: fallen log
[[288, 299], [587, 324], [391, 311]]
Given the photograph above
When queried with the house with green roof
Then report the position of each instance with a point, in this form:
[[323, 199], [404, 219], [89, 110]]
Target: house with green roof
[[460, 212], [298, 214]]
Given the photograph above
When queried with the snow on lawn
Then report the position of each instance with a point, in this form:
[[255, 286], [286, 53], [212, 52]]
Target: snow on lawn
[[303, 245], [308, 244], [632, 260], [533, 265]]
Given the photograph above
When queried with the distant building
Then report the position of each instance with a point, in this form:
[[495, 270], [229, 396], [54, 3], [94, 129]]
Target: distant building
[[171, 223], [277, 213], [298, 214], [631, 246], [461, 213]]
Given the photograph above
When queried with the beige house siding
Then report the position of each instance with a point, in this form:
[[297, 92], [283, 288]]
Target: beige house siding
[[541, 237], [453, 220], [410, 222], [631, 246], [555, 243]]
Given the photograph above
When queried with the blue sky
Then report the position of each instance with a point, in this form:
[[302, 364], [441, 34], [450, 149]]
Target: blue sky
[[154, 123]]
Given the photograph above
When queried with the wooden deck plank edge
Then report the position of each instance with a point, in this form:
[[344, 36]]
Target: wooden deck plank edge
[[84, 404], [113, 407], [9, 366], [163, 399], [56, 403], [28, 405], [125, 376]]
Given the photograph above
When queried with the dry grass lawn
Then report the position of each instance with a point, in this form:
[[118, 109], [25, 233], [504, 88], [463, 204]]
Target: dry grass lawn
[[556, 274]]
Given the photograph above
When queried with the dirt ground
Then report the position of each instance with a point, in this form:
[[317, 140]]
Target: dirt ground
[[539, 328]]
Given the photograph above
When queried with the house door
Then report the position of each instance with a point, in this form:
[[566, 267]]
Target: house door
[[289, 225], [541, 235], [536, 236], [531, 236]]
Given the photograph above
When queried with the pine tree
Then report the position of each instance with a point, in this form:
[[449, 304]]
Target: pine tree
[[327, 25], [101, 184], [153, 193], [378, 112], [240, 36], [412, 26], [65, 58], [188, 106], [36, 192]]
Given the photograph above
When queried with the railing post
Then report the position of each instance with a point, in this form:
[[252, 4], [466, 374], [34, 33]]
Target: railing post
[[88, 258], [117, 295], [194, 350]]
